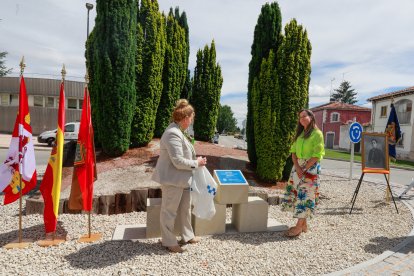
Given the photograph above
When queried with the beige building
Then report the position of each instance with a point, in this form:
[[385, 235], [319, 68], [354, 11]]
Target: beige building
[[43, 98], [403, 102]]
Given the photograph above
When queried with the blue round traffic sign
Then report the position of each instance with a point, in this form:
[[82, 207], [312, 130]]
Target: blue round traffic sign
[[355, 132]]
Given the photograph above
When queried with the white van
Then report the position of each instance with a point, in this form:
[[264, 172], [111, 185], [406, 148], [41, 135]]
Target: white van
[[71, 133]]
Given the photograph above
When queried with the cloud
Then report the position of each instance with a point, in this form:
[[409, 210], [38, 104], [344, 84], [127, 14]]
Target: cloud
[[365, 42]]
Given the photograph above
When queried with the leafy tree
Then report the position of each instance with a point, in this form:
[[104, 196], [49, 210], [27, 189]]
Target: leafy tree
[[174, 73], [111, 64], [151, 40], [3, 69], [206, 92], [344, 94], [267, 36], [226, 120]]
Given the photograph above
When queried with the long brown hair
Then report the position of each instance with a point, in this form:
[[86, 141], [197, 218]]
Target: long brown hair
[[312, 125]]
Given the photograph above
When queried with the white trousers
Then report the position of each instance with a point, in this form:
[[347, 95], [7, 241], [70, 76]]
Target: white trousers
[[175, 203]]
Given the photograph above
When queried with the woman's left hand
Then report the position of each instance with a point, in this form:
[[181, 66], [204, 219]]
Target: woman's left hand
[[202, 161]]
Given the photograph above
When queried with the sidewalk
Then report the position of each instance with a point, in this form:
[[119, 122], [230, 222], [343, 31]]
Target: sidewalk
[[6, 138], [398, 260]]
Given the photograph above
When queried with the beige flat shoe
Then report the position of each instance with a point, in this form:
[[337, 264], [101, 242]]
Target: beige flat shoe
[[176, 249], [192, 241]]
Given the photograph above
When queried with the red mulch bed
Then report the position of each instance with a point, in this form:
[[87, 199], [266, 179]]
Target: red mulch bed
[[148, 154]]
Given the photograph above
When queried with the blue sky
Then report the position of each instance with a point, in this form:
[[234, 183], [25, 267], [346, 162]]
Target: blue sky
[[369, 43]]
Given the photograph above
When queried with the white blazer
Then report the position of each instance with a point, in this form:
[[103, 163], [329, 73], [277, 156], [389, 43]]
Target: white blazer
[[177, 159]]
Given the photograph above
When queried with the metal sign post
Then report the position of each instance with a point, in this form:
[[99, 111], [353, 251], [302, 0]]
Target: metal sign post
[[355, 132]]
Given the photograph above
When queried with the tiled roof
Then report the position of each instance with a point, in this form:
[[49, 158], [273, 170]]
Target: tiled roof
[[409, 90], [340, 106]]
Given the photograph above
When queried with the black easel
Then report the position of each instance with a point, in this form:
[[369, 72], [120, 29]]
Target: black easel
[[359, 185]]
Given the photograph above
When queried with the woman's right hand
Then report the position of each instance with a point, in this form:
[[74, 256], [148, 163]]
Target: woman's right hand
[[202, 161], [299, 171]]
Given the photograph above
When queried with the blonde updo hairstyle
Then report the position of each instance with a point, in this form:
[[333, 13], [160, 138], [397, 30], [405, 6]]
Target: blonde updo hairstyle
[[182, 110]]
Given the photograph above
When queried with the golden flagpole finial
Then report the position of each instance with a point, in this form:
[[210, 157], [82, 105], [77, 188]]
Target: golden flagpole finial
[[22, 65], [86, 78], [63, 72]]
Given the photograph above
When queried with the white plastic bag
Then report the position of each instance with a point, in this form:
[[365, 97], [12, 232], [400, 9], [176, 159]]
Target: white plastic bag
[[203, 190]]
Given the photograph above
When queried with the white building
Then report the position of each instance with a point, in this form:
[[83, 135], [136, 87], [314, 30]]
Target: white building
[[403, 102]]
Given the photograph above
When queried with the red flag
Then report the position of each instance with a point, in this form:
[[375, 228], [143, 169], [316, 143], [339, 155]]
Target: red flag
[[20, 158], [84, 174], [52, 180]]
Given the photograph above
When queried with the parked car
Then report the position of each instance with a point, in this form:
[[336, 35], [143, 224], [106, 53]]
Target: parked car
[[71, 133], [216, 138]]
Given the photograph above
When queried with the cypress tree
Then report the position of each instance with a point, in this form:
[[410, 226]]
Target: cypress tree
[[266, 117], [111, 63], [206, 92], [294, 77], [182, 20], [175, 70], [150, 61], [267, 36]]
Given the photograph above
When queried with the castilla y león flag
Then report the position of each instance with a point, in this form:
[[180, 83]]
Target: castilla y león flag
[[20, 160], [52, 180], [84, 173]]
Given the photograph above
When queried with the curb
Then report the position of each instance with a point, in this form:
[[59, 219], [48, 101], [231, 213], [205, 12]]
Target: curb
[[385, 254]]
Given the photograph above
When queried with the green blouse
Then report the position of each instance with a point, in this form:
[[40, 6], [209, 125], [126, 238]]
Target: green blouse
[[313, 146]]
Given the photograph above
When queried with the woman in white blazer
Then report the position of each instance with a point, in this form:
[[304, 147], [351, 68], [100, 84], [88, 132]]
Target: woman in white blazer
[[174, 172]]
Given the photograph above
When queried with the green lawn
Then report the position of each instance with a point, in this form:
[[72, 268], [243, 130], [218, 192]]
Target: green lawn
[[342, 155]]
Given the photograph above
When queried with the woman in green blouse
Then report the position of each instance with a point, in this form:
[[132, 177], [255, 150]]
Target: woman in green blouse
[[301, 195]]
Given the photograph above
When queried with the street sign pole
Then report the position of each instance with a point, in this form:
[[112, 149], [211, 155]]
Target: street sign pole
[[352, 160], [355, 131]]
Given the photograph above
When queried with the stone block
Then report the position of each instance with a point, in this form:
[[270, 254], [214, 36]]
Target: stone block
[[232, 187], [250, 216], [153, 219], [216, 225]]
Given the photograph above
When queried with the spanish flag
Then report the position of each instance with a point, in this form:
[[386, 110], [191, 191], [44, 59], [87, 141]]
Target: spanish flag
[[52, 180], [20, 162], [84, 173]]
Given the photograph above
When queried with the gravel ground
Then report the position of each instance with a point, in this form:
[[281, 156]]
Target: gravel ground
[[335, 241]]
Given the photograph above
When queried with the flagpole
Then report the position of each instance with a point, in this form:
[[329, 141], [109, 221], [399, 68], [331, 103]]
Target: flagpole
[[22, 65]]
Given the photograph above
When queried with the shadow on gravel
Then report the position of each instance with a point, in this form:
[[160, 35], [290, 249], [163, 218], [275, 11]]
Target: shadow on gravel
[[379, 244], [254, 238], [339, 211], [108, 253], [35, 233]]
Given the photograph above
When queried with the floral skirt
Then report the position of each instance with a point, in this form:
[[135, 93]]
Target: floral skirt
[[301, 195]]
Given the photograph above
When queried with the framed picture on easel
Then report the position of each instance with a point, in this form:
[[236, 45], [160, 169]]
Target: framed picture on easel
[[374, 152]]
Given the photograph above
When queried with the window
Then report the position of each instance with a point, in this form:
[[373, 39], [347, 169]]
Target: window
[[72, 104], [14, 99], [4, 99], [38, 101], [69, 128], [383, 111], [335, 117], [401, 142], [80, 104], [50, 102], [403, 108]]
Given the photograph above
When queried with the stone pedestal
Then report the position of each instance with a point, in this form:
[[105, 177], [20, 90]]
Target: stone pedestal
[[232, 187], [217, 224], [250, 216], [153, 219]]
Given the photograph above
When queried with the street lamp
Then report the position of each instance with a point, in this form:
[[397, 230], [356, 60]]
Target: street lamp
[[88, 7]]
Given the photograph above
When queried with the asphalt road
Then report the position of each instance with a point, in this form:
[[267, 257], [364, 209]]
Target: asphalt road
[[42, 156], [400, 176], [231, 142]]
